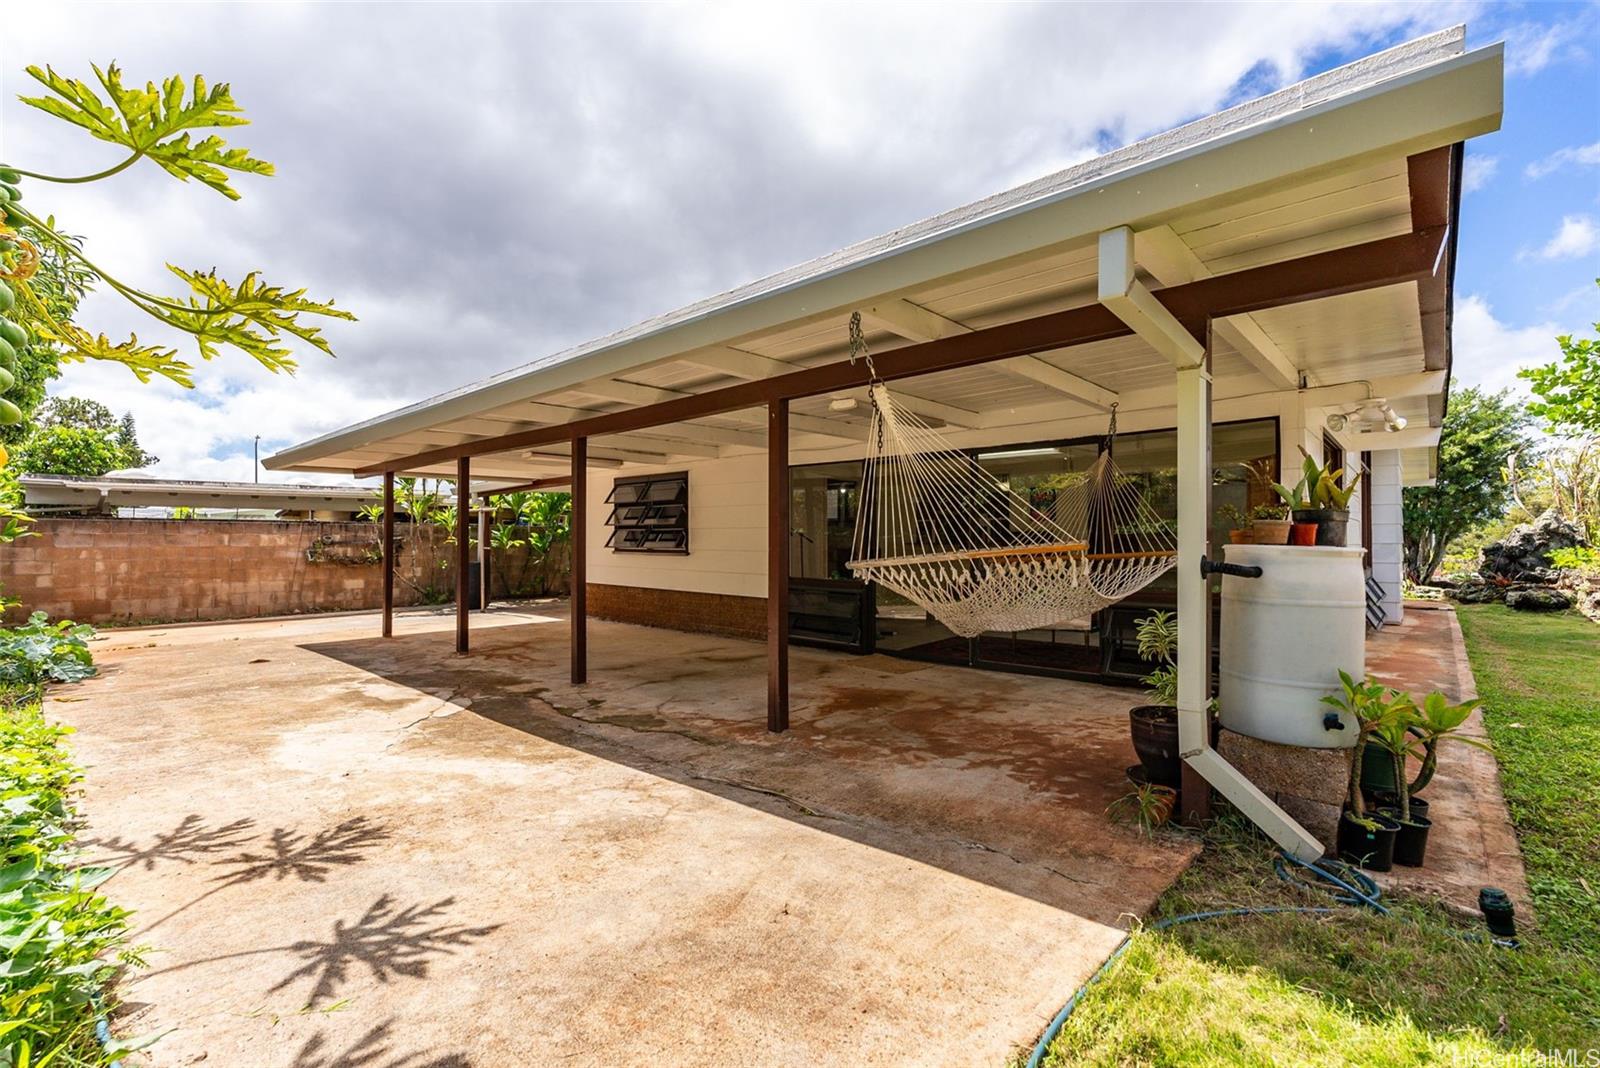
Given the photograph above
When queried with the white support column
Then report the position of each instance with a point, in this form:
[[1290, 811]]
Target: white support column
[[1194, 624], [1383, 482], [483, 554]]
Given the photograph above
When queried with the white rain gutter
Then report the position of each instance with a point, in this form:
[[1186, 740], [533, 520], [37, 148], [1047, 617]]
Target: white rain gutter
[[1126, 297]]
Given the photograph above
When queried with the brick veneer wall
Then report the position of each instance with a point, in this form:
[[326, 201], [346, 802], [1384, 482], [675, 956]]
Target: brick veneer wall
[[103, 570], [703, 613]]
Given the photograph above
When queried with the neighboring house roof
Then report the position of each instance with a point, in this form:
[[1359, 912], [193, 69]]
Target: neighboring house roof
[[56, 491], [1422, 94]]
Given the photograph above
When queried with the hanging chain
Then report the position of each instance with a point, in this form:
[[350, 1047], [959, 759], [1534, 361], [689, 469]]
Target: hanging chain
[[858, 345], [1111, 428]]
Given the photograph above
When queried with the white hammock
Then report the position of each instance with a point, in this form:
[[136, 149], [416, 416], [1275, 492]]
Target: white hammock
[[937, 528]]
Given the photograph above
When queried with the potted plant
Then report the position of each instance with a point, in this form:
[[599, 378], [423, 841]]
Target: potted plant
[[1154, 726], [1322, 497], [1392, 735], [1295, 501], [1238, 524], [1435, 720], [1367, 838], [1270, 524]]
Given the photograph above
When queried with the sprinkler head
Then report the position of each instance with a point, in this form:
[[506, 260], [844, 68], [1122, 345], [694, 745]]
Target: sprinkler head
[[1498, 912]]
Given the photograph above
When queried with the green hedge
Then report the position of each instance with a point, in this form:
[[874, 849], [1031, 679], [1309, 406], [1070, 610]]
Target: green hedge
[[61, 942]]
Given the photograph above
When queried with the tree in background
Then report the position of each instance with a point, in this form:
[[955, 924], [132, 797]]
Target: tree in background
[[1567, 477], [1482, 432], [80, 438], [1569, 388]]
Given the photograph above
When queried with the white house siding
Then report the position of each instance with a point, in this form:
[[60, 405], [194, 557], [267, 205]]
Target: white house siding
[[1384, 483], [727, 531]]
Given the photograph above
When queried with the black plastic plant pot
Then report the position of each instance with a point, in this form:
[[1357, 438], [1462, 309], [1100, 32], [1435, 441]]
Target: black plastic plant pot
[[1333, 524], [1377, 775], [1155, 738], [1368, 847], [1411, 840]]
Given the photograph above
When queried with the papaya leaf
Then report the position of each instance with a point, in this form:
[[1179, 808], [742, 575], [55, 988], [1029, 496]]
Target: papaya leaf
[[152, 122]]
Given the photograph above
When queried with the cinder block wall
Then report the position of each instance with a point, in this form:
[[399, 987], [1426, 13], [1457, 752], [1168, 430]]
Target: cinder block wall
[[160, 570]]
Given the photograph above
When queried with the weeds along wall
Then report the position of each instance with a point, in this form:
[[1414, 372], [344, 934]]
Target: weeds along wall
[[101, 570]]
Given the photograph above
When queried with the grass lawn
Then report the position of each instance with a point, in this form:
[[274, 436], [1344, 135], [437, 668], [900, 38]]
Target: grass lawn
[[1354, 988]]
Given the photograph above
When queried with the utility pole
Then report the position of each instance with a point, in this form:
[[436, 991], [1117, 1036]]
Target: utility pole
[[257, 454]]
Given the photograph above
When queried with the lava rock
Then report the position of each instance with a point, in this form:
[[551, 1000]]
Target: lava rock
[[1524, 554], [1477, 593], [1538, 600]]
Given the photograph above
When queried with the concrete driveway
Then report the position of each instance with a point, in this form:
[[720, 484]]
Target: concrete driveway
[[350, 851]]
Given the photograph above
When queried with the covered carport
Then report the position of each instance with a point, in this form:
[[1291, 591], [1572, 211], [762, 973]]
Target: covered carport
[[1289, 255]]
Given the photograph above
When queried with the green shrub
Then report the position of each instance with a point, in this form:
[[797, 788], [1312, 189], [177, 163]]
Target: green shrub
[[60, 940], [1579, 558], [40, 651]]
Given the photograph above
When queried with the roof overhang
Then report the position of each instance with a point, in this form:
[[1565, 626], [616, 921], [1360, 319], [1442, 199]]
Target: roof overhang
[[1330, 162]]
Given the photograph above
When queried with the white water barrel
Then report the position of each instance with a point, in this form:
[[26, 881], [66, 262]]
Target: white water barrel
[[1285, 638]]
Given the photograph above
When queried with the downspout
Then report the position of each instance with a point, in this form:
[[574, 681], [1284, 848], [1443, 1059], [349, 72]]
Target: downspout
[[1126, 296]]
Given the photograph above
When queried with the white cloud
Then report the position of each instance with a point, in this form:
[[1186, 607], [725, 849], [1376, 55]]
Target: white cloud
[[1576, 236], [1477, 171], [1574, 155], [1488, 353], [1531, 47], [577, 169]]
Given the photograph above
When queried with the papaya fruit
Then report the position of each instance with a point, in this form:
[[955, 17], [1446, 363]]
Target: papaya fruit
[[7, 380], [9, 176], [10, 414], [11, 191], [8, 355], [13, 333], [7, 298]]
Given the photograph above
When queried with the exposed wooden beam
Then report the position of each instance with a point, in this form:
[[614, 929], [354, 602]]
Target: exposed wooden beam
[[912, 321], [669, 446], [1171, 261], [1131, 301], [736, 363], [552, 483], [1412, 437], [1374, 264], [916, 323], [1434, 183], [1064, 382]]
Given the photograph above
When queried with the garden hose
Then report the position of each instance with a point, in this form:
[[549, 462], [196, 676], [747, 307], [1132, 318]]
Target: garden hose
[[1347, 886]]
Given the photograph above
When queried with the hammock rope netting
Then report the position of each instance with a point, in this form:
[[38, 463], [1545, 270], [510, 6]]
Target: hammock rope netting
[[941, 530]]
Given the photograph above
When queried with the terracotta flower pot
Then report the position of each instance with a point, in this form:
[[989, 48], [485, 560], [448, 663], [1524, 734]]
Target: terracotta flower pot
[[1271, 531], [1239, 537], [1303, 534]]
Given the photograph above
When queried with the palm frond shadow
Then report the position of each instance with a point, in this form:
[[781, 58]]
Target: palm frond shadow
[[387, 940], [292, 855], [371, 1050], [191, 841]]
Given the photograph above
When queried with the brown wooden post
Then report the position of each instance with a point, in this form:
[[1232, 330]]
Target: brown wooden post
[[389, 561], [463, 548], [778, 566], [580, 552]]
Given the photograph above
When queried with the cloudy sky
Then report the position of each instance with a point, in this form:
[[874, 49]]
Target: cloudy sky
[[486, 184]]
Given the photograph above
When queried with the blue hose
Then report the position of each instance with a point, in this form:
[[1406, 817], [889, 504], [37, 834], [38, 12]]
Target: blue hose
[[1347, 885]]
